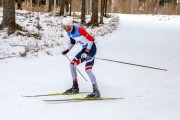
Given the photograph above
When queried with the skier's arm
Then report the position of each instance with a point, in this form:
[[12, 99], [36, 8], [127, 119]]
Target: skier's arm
[[70, 46], [72, 43], [83, 32]]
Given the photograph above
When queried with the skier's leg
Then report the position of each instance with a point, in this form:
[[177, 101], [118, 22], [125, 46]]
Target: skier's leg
[[88, 70], [92, 77], [73, 65], [89, 65], [76, 61]]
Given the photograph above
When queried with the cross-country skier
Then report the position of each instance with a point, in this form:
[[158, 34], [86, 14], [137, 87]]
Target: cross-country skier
[[88, 52]]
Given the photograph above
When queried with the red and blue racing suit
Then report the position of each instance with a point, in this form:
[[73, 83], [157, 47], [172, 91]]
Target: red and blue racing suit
[[80, 35]]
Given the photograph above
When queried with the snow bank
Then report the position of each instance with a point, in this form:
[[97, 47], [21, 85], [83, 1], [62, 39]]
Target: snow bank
[[43, 33], [107, 28]]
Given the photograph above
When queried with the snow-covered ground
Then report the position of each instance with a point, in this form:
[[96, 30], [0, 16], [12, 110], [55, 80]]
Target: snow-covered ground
[[148, 94], [49, 27]]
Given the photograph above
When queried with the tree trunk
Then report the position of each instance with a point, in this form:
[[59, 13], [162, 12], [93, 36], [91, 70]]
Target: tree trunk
[[178, 9], [105, 7], [90, 6], [102, 11], [70, 2], [31, 4], [123, 6], [94, 17], [67, 5], [49, 5], [146, 7], [132, 6], [19, 4], [55, 5], [38, 4], [112, 6], [87, 7], [9, 16], [157, 6], [0, 3], [83, 10], [62, 3]]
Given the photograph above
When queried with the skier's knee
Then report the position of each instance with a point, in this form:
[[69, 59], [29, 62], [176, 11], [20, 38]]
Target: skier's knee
[[75, 63], [72, 63], [88, 68]]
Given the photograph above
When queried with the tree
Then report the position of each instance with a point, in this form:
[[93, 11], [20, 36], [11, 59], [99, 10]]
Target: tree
[[67, 5], [94, 17], [132, 6], [157, 6], [62, 5], [83, 10], [88, 6], [70, 2], [49, 5], [55, 1], [19, 4], [105, 8], [102, 11], [9, 16], [0, 3], [140, 6]]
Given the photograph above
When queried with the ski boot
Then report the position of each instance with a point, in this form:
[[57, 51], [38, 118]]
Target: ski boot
[[95, 93], [73, 90]]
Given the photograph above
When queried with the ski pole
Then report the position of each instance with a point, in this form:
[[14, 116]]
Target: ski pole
[[77, 69], [131, 64]]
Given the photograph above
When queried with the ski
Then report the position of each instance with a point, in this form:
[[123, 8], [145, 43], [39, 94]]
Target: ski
[[54, 94], [80, 99]]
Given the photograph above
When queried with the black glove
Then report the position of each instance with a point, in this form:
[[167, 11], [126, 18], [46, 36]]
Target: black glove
[[65, 52]]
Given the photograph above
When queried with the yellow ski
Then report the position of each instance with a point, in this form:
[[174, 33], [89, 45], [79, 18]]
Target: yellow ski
[[81, 99], [54, 94]]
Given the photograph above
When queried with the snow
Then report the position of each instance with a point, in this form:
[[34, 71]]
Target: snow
[[48, 27], [148, 94]]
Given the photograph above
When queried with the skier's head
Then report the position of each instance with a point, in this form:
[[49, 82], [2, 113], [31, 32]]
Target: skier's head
[[67, 28]]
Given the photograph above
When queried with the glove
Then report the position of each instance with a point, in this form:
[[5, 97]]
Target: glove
[[84, 55], [65, 52]]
